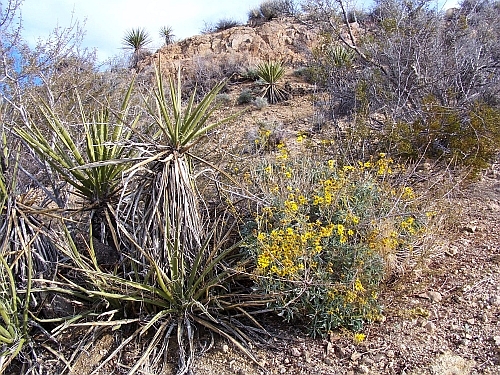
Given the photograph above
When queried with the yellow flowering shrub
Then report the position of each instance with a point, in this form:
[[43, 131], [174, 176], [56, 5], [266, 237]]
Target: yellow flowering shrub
[[328, 235]]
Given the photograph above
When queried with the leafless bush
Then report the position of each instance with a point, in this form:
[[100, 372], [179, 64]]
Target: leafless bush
[[409, 60], [210, 69]]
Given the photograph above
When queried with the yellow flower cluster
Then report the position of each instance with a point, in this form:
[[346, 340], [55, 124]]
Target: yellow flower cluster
[[383, 165], [263, 138], [286, 251], [282, 152], [328, 222], [409, 225], [358, 338]]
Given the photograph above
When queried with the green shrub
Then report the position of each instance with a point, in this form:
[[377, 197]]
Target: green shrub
[[271, 9], [225, 24], [328, 237], [209, 70], [260, 103], [307, 73], [268, 137], [250, 74], [470, 137], [221, 25], [223, 99], [245, 97]]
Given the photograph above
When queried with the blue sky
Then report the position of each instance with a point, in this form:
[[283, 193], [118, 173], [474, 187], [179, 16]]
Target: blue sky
[[106, 21]]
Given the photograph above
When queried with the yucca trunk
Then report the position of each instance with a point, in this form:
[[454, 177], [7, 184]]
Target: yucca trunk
[[172, 209]]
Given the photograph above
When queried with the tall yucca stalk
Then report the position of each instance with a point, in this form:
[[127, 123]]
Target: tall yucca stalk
[[167, 33], [137, 40], [171, 213]]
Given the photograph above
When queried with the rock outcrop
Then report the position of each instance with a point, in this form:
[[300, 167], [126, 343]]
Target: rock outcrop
[[286, 40]]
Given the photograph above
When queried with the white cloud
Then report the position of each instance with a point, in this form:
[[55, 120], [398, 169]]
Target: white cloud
[[108, 20]]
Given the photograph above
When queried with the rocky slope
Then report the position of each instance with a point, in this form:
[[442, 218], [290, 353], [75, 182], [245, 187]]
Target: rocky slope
[[287, 40]]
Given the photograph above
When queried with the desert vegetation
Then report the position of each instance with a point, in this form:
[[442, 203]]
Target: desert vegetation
[[121, 211]]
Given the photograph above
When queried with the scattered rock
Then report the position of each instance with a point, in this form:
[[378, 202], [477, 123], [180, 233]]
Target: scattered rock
[[421, 321], [225, 348], [328, 361], [493, 206], [329, 348], [334, 337], [451, 364], [433, 296], [496, 339], [430, 327], [470, 228], [452, 251], [295, 352], [368, 361], [355, 356], [340, 352], [362, 369], [494, 300], [86, 361]]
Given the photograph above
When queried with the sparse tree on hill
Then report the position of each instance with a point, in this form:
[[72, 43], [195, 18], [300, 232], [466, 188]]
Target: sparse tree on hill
[[166, 32], [137, 40]]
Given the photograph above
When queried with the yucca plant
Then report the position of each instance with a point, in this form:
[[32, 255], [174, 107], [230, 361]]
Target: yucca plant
[[12, 330], [341, 57], [13, 316], [167, 33], [271, 73], [93, 169], [137, 40], [183, 272], [166, 185], [168, 301], [24, 250]]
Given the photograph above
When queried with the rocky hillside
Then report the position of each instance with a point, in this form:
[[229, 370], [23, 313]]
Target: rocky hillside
[[287, 40]]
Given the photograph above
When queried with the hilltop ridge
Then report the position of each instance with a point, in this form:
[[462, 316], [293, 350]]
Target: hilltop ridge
[[285, 39]]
